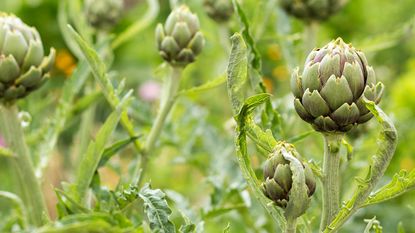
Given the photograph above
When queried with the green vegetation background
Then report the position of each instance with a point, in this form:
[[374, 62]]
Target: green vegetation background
[[196, 165]]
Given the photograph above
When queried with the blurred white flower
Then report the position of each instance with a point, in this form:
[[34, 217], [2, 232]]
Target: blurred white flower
[[150, 91]]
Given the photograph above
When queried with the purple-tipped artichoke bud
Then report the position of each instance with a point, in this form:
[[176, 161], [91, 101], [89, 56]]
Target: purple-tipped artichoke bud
[[278, 177], [23, 65], [219, 10], [329, 93], [312, 10], [103, 14], [180, 40]]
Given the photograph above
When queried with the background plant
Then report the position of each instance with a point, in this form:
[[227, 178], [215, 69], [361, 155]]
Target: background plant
[[198, 136]]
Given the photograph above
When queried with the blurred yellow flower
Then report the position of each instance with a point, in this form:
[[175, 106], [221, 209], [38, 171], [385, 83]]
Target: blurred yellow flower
[[280, 72], [274, 52], [407, 163], [65, 62]]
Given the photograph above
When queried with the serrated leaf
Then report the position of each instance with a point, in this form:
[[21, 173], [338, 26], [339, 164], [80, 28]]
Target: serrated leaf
[[387, 141], [401, 183], [157, 209], [237, 73]]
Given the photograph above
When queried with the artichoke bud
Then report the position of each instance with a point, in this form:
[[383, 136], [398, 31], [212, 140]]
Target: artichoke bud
[[103, 14], [278, 177], [179, 40], [315, 10], [329, 93], [23, 65], [219, 10]]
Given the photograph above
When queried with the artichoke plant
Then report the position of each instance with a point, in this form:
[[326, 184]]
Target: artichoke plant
[[278, 176], [310, 10], [103, 14], [23, 66], [219, 10], [180, 39], [329, 93]]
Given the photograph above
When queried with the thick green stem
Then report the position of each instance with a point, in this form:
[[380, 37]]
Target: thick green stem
[[310, 36], [21, 165], [168, 99], [291, 225], [331, 178]]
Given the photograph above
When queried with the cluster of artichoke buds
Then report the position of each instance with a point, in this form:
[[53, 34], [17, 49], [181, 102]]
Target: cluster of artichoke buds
[[180, 40], [329, 93], [312, 10], [280, 175], [219, 10], [23, 66], [103, 14]]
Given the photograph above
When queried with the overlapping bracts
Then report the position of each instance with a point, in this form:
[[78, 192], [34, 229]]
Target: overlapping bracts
[[329, 93], [23, 66]]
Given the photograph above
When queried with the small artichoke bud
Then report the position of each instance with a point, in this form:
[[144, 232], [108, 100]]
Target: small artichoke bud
[[279, 177], [219, 10], [103, 14], [180, 40], [312, 10], [23, 66], [329, 93]]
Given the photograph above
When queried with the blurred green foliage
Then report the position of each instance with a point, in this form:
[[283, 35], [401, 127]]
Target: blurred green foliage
[[196, 164]]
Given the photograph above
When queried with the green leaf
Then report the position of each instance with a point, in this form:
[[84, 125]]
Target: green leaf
[[255, 60], [387, 39], [227, 228], [85, 102], [157, 209], [222, 210], [298, 198], [20, 207], [401, 183], [113, 149], [139, 25], [204, 87], [188, 226], [237, 73], [100, 74], [89, 163], [387, 141]]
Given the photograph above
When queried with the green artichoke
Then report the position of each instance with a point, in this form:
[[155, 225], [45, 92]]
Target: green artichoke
[[278, 178], [329, 93], [180, 40], [23, 66], [219, 10], [103, 14], [310, 10]]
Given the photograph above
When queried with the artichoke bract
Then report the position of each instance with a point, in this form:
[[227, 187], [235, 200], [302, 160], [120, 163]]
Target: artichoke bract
[[310, 10], [103, 14], [329, 93], [278, 176], [219, 10], [23, 66], [180, 39]]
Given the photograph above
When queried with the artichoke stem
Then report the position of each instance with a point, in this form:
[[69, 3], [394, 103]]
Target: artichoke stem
[[291, 225], [331, 178], [21, 165], [310, 36], [168, 99]]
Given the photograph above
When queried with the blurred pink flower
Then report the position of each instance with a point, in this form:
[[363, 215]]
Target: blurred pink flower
[[150, 91], [2, 142]]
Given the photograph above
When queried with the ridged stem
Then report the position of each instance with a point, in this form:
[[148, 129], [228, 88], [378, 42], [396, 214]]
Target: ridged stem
[[168, 99], [291, 225], [331, 178], [29, 187]]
